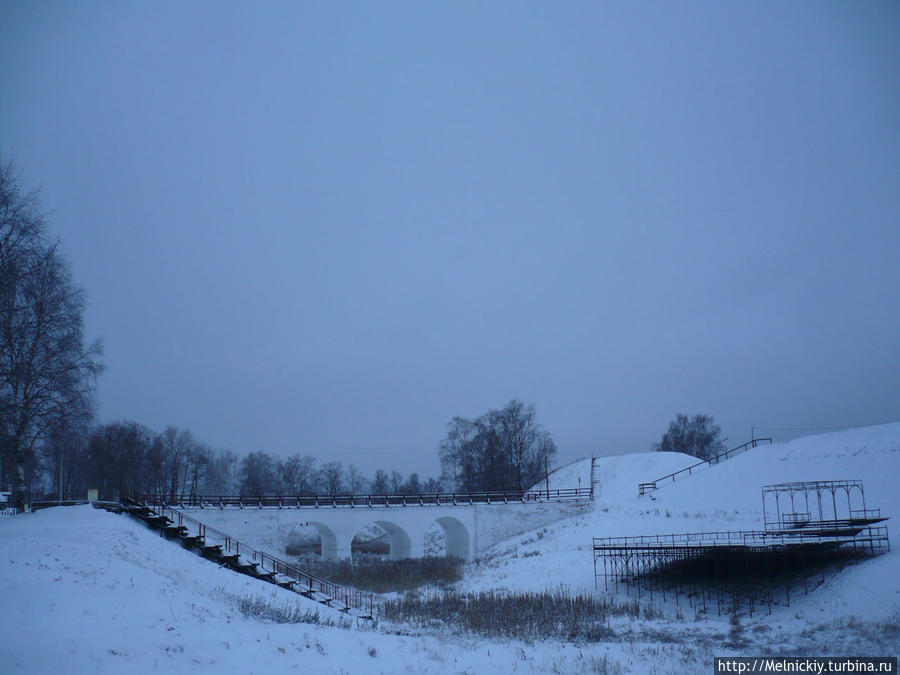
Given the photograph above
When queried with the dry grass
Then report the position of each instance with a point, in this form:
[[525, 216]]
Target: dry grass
[[528, 616], [373, 573]]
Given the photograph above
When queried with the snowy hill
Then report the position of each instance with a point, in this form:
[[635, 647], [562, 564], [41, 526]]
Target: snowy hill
[[96, 592], [85, 591], [722, 497]]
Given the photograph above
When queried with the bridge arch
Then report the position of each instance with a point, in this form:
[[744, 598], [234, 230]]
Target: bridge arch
[[456, 535], [398, 539], [329, 540]]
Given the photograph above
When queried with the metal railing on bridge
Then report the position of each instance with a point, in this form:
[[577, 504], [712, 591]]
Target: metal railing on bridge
[[367, 501]]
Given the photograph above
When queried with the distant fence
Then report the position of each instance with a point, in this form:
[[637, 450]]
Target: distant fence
[[47, 503], [368, 501], [643, 488], [97, 504]]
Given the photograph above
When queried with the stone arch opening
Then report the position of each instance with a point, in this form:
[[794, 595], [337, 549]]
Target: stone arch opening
[[310, 538], [435, 540], [371, 540], [456, 537], [397, 538]]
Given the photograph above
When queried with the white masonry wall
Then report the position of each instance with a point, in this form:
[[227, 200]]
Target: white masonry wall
[[469, 530]]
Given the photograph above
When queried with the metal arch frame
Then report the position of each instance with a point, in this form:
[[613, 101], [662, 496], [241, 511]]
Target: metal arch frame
[[748, 566], [806, 488]]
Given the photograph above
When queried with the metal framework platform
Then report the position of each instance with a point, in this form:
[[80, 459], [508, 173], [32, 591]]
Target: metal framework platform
[[749, 567]]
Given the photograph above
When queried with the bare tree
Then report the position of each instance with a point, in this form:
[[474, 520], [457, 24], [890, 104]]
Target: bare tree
[[66, 462], [412, 485], [176, 446], [396, 481], [455, 451], [431, 485], [297, 474], [503, 449], [380, 483], [356, 481], [219, 478], [699, 436], [520, 435], [200, 458], [332, 478], [47, 370], [118, 455], [259, 475]]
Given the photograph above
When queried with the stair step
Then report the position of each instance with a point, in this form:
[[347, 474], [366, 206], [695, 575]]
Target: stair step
[[233, 561]]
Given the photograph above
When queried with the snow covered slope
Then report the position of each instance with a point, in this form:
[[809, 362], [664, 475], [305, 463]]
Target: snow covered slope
[[723, 497], [572, 475], [88, 591], [617, 476], [85, 591]]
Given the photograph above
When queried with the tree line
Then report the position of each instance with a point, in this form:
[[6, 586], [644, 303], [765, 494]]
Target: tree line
[[503, 449], [174, 464], [50, 446]]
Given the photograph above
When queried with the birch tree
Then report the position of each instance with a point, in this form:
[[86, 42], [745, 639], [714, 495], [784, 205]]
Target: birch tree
[[47, 369]]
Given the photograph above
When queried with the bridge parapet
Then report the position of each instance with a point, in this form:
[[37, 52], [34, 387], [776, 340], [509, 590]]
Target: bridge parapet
[[469, 528], [368, 501]]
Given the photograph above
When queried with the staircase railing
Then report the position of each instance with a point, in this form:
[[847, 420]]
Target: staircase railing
[[309, 584], [643, 488]]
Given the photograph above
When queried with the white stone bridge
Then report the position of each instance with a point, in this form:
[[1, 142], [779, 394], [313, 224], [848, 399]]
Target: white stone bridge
[[470, 523]]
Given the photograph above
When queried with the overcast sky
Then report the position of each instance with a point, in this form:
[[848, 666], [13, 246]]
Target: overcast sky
[[330, 227]]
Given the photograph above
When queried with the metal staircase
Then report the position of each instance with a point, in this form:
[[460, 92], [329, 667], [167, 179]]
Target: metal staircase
[[227, 551]]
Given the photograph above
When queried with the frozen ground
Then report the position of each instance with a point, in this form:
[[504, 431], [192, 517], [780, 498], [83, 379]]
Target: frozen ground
[[87, 591], [858, 609]]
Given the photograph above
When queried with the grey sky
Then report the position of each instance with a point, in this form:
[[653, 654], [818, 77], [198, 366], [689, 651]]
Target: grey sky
[[330, 227]]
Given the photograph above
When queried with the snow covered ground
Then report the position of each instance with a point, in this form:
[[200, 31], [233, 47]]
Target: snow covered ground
[[87, 591], [858, 609]]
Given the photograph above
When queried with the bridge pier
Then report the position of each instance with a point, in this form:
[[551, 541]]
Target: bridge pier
[[343, 549]]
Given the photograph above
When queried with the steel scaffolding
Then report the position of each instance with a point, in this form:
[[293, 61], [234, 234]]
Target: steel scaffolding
[[747, 567]]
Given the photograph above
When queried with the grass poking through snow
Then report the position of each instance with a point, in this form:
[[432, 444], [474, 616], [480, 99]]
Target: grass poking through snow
[[528, 616], [372, 573]]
